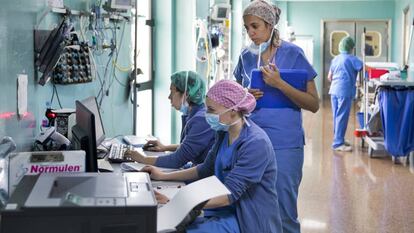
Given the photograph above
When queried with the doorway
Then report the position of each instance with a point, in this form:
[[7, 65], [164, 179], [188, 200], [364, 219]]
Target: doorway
[[376, 40]]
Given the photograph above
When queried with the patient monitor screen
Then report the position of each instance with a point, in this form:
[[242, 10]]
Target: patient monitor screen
[[89, 187]]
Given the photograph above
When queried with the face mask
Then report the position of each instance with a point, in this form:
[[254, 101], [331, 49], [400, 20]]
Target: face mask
[[184, 104], [184, 108], [259, 49], [214, 121]]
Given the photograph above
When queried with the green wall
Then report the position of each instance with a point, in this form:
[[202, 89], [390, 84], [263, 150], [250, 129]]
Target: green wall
[[17, 20], [400, 5]]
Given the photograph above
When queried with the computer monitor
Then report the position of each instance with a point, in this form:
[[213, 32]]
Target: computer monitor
[[92, 105], [84, 136]]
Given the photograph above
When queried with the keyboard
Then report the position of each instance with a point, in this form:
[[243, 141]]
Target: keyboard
[[116, 154]]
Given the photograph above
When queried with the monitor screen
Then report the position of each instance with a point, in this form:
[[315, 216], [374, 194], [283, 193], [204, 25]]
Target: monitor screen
[[84, 138], [92, 105], [222, 12]]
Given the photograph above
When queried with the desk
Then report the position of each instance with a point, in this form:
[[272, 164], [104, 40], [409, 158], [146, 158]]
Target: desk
[[167, 188]]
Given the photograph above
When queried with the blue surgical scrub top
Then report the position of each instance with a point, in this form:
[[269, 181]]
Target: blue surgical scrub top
[[197, 137], [283, 125], [344, 69], [249, 169], [222, 168]]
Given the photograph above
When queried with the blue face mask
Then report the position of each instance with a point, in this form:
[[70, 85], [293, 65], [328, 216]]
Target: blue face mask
[[214, 121], [184, 108], [184, 104], [259, 49]]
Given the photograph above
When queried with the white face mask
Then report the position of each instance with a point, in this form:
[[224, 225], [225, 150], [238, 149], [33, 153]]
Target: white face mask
[[259, 49]]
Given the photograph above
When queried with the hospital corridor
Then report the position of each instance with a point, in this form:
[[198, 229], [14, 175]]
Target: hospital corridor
[[349, 191], [206, 116]]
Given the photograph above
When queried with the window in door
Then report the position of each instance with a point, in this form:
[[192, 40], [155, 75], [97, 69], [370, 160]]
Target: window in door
[[335, 38]]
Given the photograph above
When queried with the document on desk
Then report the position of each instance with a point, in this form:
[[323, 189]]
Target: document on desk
[[173, 213]]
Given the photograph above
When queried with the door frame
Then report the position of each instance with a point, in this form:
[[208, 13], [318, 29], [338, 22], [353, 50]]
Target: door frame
[[323, 21]]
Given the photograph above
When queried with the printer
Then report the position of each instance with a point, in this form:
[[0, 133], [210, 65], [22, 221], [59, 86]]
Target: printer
[[82, 203]]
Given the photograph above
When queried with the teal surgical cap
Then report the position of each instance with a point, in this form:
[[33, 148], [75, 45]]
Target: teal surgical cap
[[346, 45], [196, 86]]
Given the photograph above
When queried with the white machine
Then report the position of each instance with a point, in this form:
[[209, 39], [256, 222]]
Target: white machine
[[84, 202]]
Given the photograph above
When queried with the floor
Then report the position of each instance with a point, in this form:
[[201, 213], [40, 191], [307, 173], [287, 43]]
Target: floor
[[348, 191]]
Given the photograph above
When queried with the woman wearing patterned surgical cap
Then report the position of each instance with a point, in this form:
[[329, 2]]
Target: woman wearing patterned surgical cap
[[343, 73], [187, 94], [282, 125], [242, 158]]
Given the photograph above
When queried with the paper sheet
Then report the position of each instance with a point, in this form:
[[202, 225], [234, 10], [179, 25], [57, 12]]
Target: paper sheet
[[21, 94], [172, 213]]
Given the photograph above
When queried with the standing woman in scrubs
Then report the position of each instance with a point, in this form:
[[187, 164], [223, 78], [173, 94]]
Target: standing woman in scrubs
[[187, 95], [242, 158], [343, 73], [282, 125]]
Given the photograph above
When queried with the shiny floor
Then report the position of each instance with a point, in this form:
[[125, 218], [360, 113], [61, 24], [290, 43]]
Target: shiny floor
[[345, 192]]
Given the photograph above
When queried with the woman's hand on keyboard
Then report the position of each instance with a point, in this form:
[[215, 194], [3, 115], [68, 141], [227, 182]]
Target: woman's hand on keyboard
[[154, 145], [154, 172], [134, 155]]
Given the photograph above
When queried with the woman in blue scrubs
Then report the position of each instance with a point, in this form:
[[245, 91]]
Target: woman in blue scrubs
[[343, 73], [187, 95], [242, 158], [282, 125]]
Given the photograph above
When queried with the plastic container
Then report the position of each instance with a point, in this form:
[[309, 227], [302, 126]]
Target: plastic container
[[376, 73], [360, 117]]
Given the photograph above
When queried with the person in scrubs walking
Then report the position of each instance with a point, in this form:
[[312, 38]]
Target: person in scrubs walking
[[343, 73], [187, 95], [242, 158], [282, 125]]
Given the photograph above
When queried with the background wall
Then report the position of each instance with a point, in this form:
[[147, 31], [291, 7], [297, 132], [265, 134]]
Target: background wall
[[306, 16], [400, 5], [17, 21]]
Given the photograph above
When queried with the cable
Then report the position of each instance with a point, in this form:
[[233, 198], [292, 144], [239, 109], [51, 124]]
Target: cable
[[57, 95]]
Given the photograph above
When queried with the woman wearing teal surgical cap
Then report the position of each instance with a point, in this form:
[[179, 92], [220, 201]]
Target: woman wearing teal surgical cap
[[342, 73], [282, 125], [187, 94]]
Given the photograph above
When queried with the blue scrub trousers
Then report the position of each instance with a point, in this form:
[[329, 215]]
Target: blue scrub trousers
[[289, 176], [341, 107], [225, 223]]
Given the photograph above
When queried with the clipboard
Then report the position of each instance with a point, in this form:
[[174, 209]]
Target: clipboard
[[273, 97]]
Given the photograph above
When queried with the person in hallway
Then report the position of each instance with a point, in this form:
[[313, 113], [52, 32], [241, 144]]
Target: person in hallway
[[282, 125], [187, 95], [242, 158], [343, 73]]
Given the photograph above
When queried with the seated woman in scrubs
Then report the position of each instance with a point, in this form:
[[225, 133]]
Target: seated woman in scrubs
[[187, 95], [243, 159]]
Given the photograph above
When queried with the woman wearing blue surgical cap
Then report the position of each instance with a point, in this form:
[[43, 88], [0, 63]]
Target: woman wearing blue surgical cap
[[342, 73], [187, 95], [282, 125]]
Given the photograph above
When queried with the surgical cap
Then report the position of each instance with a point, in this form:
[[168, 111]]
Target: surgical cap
[[196, 87], [232, 95], [264, 10], [346, 45]]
